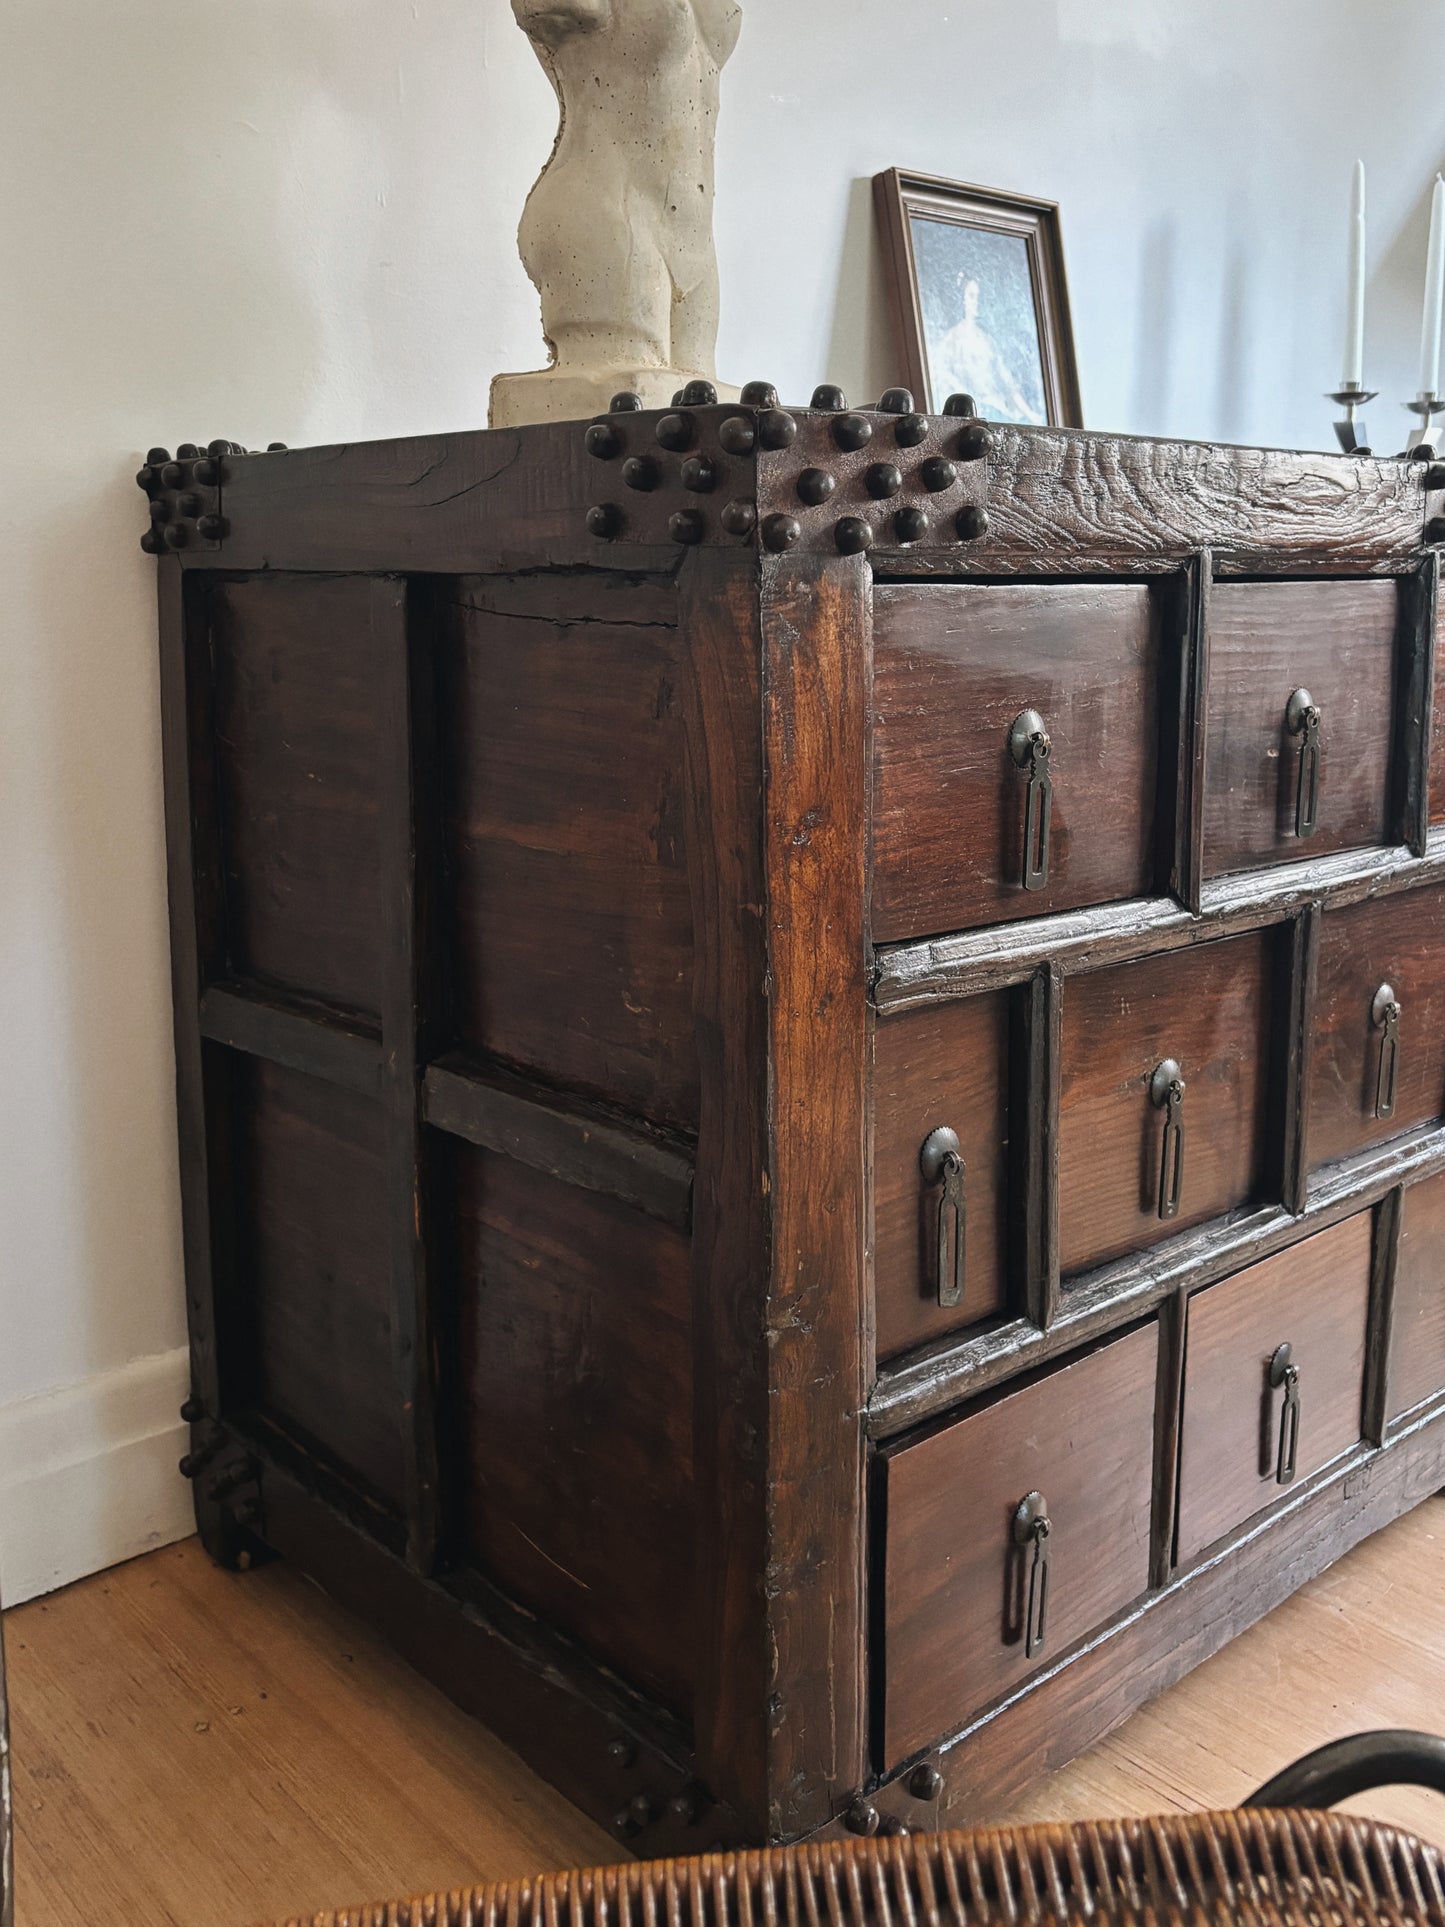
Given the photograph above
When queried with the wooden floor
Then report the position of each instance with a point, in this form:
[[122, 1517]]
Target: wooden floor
[[197, 1748]]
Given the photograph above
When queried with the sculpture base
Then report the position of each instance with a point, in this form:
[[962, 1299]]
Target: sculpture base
[[552, 396]]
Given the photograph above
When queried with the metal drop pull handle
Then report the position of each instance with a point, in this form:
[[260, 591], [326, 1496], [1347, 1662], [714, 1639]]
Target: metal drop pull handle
[[1166, 1093], [1302, 719], [941, 1161], [1029, 745], [1284, 1374], [1031, 1529], [1385, 1014]]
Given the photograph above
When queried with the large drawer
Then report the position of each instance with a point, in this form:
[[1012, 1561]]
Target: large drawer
[[955, 668], [1237, 1429], [962, 1506], [1269, 641], [1210, 1013]]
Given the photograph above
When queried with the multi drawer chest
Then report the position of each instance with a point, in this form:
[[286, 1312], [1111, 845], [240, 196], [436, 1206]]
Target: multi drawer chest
[[811, 1061]]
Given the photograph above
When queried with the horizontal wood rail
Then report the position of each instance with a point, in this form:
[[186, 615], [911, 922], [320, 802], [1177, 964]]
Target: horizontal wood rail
[[300, 1036]]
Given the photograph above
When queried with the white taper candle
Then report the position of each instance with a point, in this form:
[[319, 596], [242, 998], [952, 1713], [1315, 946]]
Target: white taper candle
[[1434, 295]]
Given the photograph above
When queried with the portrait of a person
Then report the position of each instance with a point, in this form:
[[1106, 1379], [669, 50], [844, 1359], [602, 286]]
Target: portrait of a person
[[980, 322]]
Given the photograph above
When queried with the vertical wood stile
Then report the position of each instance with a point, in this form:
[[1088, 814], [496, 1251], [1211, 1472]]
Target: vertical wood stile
[[1193, 725], [1389, 1223], [1417, 701], [1303, 975], [1169, 1408], [1038, 1222]]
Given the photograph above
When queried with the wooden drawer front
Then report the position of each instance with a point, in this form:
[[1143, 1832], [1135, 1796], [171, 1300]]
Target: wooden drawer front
[[1210, 1011], [954, 667], [957, 1582], [1373, 954], [1314, 1298], [1266, 640], [940, 1069], [1417, 1344]]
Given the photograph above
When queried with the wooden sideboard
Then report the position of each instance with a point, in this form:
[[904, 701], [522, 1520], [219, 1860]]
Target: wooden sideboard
[[811, 1062]]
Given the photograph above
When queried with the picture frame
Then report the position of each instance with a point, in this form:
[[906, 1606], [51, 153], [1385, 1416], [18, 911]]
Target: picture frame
[[980, 298]]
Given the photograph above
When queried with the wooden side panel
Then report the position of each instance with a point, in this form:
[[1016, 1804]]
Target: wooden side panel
[[1314, 1297], [1339, 640], [949, 1066], [1399, 941], [1210, 1009], [956, 1582], [572, 1394], [1417, 1339], [562, 745], [955, 665], [314, 1311], [295, 668]]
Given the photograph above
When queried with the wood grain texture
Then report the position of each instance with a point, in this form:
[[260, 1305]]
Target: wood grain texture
[[1400, 942], [1210, 1009], [571, 1370], [1417, 1326], [956, 1583], [1339, 640], [291, 1031], [954, 667], [1314, 1298], [572, 916], [935, 1068], [295, 665]]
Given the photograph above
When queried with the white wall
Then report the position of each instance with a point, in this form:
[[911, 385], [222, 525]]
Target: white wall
[[294, 219]]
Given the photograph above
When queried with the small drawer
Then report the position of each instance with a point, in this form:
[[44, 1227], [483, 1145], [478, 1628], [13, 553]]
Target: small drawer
[[1417, 1343], [1138, 1160], [1249, 1430], [940, 1227], [1300, 725], [1377, 1043], [971, 824], [975, 1599]]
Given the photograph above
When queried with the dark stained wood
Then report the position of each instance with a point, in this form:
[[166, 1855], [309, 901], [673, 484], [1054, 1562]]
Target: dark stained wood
[[1379, 1336], [1168, 1413], [1191, 602], [1428, 586], [573, 921], [1266, 639], [1303, 973], [1315, 1298], [1415, 702], [1417, 1338], [954, 667], [577, 1142], [935, 1068], [956, 1587], [1400, 941], [1036, 1100], [571, 1355], [294, 666], [290, 1031], [1209, 1009], [313, 1270]]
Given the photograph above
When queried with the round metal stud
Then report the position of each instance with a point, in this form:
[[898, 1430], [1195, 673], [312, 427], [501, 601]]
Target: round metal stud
[[642, 1810], [207, 471], [158, 457], [688, 1806], [896, 401], [161, 511], [760, 394], [862, 1817], [605, 521], [853, 536], [192, 1412], [177, 535], [699, 394], [925, 1782], [677, 395], [972, 523], [1435, 529], [777, 429], [218, 448], [275, 448], [815, 485], [912, 431], [938, 1147], [628, 402], [604, 443], [213, 528], [910, 525], [676, 432], [975, 442], [1433, 477], [699, 476], [187, 452], [937, 474], [894, 1828], [781, 532], [622, 1752], [738, 435], [740, 518], [687, 526], [642, 473], [173, 475], [963, 405], [852, 431], [883, 479], [190, 1466], [1166, 1075], [151, 542], [829, 400], [624, 1824], [145, 477]]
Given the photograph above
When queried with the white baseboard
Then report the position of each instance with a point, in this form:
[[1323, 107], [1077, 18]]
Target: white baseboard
[[88, 1475]]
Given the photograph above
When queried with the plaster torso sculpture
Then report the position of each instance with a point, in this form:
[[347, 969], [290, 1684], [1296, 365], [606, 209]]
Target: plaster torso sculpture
[[617, 234]]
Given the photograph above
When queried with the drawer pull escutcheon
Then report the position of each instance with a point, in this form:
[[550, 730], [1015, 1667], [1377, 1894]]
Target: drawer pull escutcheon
[[941, 1160], [1385, 1014], [1166, 1093], [1302, 719], [1029, 745], [1032, 1527], [1284, 1372]]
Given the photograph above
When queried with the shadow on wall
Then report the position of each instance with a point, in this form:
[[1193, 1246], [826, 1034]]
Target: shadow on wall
[[863, 357], [1396, 289]]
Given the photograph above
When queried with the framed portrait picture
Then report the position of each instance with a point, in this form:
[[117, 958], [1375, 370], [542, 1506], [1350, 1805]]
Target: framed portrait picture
[[980, 299]]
